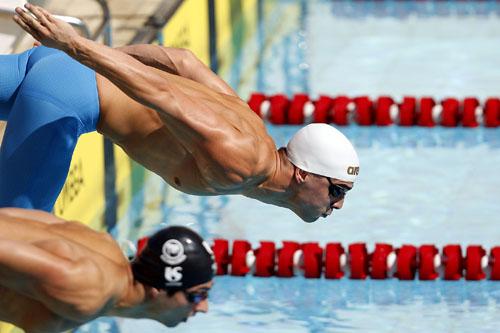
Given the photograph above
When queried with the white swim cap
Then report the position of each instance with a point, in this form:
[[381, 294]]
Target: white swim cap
[[325, 151]]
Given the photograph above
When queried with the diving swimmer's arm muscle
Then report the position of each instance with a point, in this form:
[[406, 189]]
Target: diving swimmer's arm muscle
[[187, 108], [24, 267], [178, 61]]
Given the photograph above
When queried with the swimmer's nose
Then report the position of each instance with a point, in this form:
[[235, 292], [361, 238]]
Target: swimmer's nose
[[338, 204], [202, 306]]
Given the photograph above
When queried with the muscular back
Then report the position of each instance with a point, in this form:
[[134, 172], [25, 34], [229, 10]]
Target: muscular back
[[236, 154], [64, 299]]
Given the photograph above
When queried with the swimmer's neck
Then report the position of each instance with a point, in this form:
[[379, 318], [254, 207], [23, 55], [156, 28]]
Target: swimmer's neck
[[276, 189], [131, 304]]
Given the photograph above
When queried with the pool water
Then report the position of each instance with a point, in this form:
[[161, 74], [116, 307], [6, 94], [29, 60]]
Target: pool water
[[416, 185]]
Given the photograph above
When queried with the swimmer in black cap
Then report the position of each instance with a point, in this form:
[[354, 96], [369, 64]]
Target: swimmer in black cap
[[57, 275]]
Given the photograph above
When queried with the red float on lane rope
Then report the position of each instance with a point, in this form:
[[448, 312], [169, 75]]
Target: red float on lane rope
[[285, 259], [334, 255], [239, 265], [474, 263], [469, 114], [495, 263], [427, 256], [379, 265], [221, 254], [323, 109], [313, 260], [255, 101], [341, 110], [492, 112], [141, 244], [450, 113], [383, 111], [279, 109], [364, 110], [407, 111], [425, 114], [265, 259], [452, 262], [406, 264], [358, 260], [296, 111]]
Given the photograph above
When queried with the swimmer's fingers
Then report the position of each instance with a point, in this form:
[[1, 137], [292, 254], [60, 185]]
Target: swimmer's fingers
[[47, 15], [42, 16], [49, 30], [26, 27], [53, 24], [31, 22]]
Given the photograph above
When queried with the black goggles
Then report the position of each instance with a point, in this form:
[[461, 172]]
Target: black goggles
[[196, 297], [337, 190]]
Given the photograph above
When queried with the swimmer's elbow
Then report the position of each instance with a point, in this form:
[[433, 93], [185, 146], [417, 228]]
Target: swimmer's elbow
[[155, 96], [191, 67], [187, 61]]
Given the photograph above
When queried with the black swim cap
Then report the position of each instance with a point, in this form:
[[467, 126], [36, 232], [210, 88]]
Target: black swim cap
[[174, 258]]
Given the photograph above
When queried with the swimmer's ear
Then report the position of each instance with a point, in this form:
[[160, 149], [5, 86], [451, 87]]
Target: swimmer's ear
[[300, 175], [154, 293]]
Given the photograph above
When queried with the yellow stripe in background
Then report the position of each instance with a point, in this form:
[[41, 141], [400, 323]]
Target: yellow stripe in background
[[188, 28], [224, 35], [7, 328], [82, 197], [236, 25], [123, 185]]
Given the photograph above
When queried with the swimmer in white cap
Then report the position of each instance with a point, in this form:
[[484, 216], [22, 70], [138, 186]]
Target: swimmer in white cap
[[195, 132], [57, 275]]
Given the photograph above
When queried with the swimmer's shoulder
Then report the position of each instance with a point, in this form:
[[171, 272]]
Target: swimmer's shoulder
[[95, 241]]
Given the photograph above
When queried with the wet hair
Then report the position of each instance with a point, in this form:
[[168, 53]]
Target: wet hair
[[174, 258]]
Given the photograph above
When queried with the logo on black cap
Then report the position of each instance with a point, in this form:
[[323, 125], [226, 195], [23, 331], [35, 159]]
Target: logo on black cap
[[173, 252]]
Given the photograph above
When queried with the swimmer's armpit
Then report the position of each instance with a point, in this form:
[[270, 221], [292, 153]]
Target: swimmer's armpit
[[180, 62]]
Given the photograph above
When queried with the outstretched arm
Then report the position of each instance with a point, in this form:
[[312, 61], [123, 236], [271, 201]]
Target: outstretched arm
[[189, 109], [131, 76], [178, 61]]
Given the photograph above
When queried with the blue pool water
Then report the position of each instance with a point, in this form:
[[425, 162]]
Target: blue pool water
[[416, 185]]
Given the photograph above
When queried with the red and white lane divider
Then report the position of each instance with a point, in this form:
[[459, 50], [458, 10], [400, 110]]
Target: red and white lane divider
[[356, 262], [383, 111]]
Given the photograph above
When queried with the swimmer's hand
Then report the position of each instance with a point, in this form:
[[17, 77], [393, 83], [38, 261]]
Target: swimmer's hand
[[44, 27]]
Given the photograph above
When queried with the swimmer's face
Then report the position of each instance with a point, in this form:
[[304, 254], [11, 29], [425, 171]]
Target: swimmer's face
[[318, 196], [185, 304]]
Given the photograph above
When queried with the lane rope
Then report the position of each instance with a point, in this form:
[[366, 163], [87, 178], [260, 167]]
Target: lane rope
[[333, 261], [382, 111]]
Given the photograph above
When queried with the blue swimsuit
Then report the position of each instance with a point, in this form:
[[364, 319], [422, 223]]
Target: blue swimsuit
[[48, 100]]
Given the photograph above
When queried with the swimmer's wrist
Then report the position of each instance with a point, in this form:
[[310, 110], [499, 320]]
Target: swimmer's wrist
[[73, 46]]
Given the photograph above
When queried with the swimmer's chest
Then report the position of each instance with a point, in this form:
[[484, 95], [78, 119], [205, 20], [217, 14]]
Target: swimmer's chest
[[204, 180], [164, 155]]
